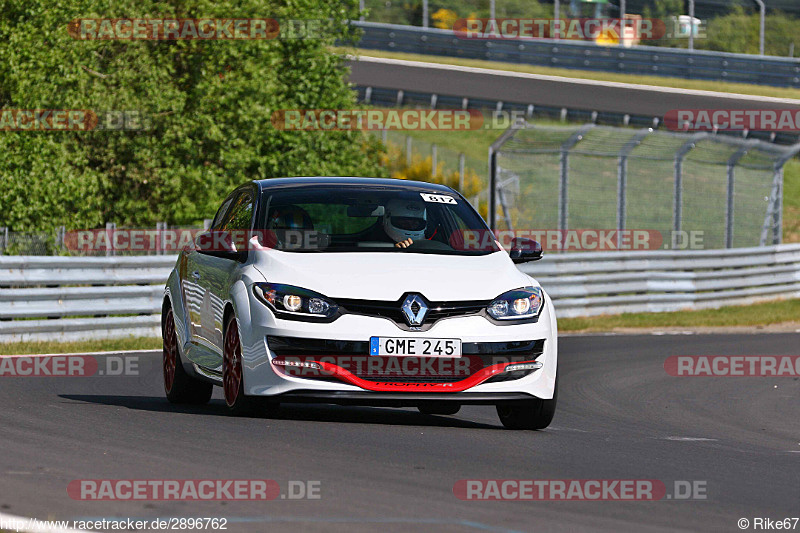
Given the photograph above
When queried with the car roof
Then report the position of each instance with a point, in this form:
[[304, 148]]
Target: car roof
[[338, 181]]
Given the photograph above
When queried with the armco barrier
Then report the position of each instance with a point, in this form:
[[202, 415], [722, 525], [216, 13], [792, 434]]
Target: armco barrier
[[649, 60], [583, 284], [72, 298], [75, 298]]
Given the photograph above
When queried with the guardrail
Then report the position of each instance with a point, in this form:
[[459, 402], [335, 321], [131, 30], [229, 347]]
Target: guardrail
[[649, 60], [75, 298], [595, 283], [72, 298]]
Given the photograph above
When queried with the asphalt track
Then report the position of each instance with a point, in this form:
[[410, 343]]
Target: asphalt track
[[620, 416], [551, 91]]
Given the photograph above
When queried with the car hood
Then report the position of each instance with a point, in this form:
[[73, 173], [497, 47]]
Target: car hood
[[388, 275]]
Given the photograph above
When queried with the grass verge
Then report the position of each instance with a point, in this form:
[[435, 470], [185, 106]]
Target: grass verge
[[762, 314], [658, 81], [99, 345]]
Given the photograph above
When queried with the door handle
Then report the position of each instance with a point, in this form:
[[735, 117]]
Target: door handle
[[196, 274]]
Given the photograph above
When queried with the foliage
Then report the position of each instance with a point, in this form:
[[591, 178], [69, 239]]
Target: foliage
[[665, 10], [739, 32], [209, 103], [444, 18]]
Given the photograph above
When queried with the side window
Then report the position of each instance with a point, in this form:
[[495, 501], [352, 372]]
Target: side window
[[240, 214], [221, 213]]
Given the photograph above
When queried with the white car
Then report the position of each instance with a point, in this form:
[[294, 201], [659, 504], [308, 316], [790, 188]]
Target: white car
[[359, 291]]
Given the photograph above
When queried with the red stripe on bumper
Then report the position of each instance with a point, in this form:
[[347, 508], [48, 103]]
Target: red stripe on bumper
[[387, 386]]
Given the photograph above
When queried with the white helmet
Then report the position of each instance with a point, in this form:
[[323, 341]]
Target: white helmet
[[404, 219]]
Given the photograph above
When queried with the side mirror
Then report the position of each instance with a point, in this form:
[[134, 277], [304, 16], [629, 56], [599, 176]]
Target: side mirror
[[218, 244], [524, 250]]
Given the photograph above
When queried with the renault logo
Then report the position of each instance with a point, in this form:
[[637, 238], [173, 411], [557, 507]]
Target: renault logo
[[414, 309]]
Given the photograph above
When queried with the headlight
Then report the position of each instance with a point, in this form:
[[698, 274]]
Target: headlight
[[518, 304], [294, 302]]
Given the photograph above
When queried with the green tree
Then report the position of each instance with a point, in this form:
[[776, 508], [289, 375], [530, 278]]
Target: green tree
[[209, 104], [739, 32], [666, 11]]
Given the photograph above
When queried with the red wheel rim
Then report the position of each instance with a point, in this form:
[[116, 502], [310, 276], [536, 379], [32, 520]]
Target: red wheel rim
[[232, 364], [170, 352]]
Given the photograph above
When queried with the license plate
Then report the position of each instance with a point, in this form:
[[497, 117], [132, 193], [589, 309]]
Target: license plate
[[414, 346]]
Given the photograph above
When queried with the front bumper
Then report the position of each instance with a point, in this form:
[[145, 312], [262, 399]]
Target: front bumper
[[262, 377], [399, 399]]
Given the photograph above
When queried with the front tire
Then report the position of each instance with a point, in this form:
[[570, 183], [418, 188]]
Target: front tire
[[232, 372], [530, 414], [179, 386]]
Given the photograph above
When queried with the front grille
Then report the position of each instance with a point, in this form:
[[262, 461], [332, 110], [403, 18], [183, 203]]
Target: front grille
[[354, 357], [392, 310]]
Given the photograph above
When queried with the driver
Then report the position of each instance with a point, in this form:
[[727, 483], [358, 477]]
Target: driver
[[404, 221]]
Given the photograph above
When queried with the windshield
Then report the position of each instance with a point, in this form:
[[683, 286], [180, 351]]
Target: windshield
[[339, 219]]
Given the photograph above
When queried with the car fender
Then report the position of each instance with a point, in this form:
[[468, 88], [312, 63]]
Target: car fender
[[173, 292], [240, 302]]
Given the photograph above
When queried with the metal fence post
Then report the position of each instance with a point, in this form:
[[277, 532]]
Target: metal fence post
[[461, 164], [773, 204], [762, 10], [492, 188], [434, 158], [493, 149], [556, 15], [408, 151], [622, 178], [161, 227], [4, 234], [775, 207], [111, 229], [677, 204], [777, 229], [61, 232], [729, 207], [563, 186]]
